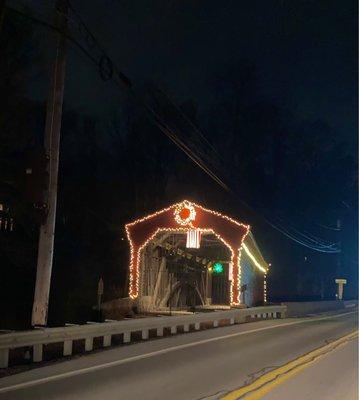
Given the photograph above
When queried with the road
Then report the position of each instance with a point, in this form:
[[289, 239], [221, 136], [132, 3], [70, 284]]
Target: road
[[200, 365], [332, 377]]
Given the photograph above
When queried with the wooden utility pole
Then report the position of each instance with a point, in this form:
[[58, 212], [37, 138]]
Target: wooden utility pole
[[52, 144], [339, 227], [99, 297], [2, 13]]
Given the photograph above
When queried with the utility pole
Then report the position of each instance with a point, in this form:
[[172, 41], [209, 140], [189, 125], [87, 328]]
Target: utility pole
[[99, 297], [339, 228], [2, 13], [51, 144]]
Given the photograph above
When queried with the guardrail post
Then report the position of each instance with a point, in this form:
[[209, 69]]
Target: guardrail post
[[67, 351], [173, 330], [126, 337], [145, 334], [37, 352], [107, 341], [240, 319], [4, 358], [197, 326], [159, 331], [89, 344]]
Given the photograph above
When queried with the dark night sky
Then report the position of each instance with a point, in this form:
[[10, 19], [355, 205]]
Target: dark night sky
[[304, 52]]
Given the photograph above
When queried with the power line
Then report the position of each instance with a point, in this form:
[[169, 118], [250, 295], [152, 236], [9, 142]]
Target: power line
[[118, 77], [171, 134], [310, 237]]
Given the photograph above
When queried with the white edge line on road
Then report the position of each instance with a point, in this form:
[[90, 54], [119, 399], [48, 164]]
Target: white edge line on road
[[155, 353]]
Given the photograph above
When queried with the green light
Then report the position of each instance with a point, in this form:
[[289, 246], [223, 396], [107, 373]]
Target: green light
[[218, 268]]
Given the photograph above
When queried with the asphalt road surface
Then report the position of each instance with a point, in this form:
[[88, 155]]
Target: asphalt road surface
[[202, 365], [334, 376]]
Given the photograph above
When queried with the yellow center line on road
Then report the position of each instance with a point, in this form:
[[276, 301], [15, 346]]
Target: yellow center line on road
[[267, 382]]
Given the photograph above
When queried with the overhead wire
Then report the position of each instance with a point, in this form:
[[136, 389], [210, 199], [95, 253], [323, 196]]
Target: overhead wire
[[309, 237], [305, 240], [171, 134]]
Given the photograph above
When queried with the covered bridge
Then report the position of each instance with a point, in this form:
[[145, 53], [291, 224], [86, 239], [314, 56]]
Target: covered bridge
[[187, 256]]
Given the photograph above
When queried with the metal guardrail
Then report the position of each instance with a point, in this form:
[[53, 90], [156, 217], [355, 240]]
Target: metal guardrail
[[37, 338], [303, 308]]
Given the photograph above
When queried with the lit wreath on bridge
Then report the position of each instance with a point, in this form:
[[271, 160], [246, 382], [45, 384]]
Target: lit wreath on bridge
[[185, 213]]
